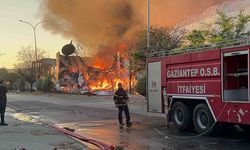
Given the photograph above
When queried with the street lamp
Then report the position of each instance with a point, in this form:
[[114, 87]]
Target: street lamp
[[148, 31], [148, 47], [34, 29]]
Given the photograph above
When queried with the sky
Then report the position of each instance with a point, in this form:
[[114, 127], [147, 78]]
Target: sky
[[15, 34]]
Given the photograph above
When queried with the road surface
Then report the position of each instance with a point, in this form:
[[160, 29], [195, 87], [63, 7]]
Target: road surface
[[96, 117]]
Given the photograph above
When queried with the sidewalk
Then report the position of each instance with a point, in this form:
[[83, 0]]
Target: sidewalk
[[22, 135]]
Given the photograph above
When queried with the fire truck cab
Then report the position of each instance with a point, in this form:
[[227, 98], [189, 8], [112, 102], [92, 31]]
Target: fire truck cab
[[201, 87]]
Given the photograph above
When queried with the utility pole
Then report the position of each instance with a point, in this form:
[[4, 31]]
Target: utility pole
[[148, 32], [34, 30]]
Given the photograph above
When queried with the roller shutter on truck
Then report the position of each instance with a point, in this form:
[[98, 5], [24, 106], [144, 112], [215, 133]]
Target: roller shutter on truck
[[154, 86]]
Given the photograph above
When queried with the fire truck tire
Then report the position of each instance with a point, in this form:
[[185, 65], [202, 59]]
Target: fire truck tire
[[181, 116], [203, 120]]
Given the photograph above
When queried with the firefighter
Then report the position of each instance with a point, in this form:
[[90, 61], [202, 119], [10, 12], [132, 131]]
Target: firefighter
[[121, 100], [3, 101]]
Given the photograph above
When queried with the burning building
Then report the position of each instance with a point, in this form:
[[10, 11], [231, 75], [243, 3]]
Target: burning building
[[80, 74]]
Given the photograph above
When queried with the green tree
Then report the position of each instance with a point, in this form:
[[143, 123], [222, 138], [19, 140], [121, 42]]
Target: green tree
[[3, 73], [39, 85], [141, 85], [19, 84], [11, 78], [29, 76], [196, 37], [224, 28], [47, 84], [161, 38], [241, 24]]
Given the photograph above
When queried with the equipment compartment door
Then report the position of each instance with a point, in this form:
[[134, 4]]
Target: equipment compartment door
[[154, 87], [235, 77]]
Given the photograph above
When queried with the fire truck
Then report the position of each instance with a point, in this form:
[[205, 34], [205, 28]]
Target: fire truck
[[202, 86]]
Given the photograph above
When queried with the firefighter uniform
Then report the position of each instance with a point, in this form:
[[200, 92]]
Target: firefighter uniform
[[3, 101], [121, 98]]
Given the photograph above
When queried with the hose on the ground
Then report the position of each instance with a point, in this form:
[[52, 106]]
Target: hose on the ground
[[101, 145], [198, 135]]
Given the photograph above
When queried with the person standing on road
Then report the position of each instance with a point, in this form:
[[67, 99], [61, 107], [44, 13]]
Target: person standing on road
[[121, 99], [3, 101]]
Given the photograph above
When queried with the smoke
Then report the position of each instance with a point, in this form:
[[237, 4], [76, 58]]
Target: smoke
[[101, 25]]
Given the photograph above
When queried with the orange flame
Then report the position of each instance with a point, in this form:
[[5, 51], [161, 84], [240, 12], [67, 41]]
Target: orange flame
[[108, 84], [98, 63]]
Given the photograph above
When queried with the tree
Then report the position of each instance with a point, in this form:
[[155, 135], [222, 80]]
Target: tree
[[11, 78], [19, 84], [39, 85], [161, 38], [196, 37], [224, 28], [225, 25], [26, 59], [47, 84], [141, 85], [241, 24], [29, 75], [3, 73]]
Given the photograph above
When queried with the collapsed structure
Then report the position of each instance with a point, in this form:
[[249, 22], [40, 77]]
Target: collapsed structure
[[81, 74]]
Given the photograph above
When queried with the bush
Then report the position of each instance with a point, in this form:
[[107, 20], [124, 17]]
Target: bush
[[141, 86], [19, 84], [39, 85], [45, 84]]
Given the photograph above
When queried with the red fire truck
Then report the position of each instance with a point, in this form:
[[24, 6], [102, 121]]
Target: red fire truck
[[201, 87]]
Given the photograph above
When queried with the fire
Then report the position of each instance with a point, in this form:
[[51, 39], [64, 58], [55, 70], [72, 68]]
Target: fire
[[108, 84], [119, 74], [79, 75], [101, 85], [98, 63], [124, 83]]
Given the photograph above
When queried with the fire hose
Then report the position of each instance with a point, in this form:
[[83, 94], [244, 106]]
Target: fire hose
[[194, 136], [101, 145]]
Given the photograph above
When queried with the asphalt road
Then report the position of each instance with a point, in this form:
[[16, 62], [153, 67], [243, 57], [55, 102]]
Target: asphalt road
[[96, 117]]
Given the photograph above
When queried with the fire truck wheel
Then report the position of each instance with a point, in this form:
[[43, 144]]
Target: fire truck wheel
[[181, 116], [203, 119]]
